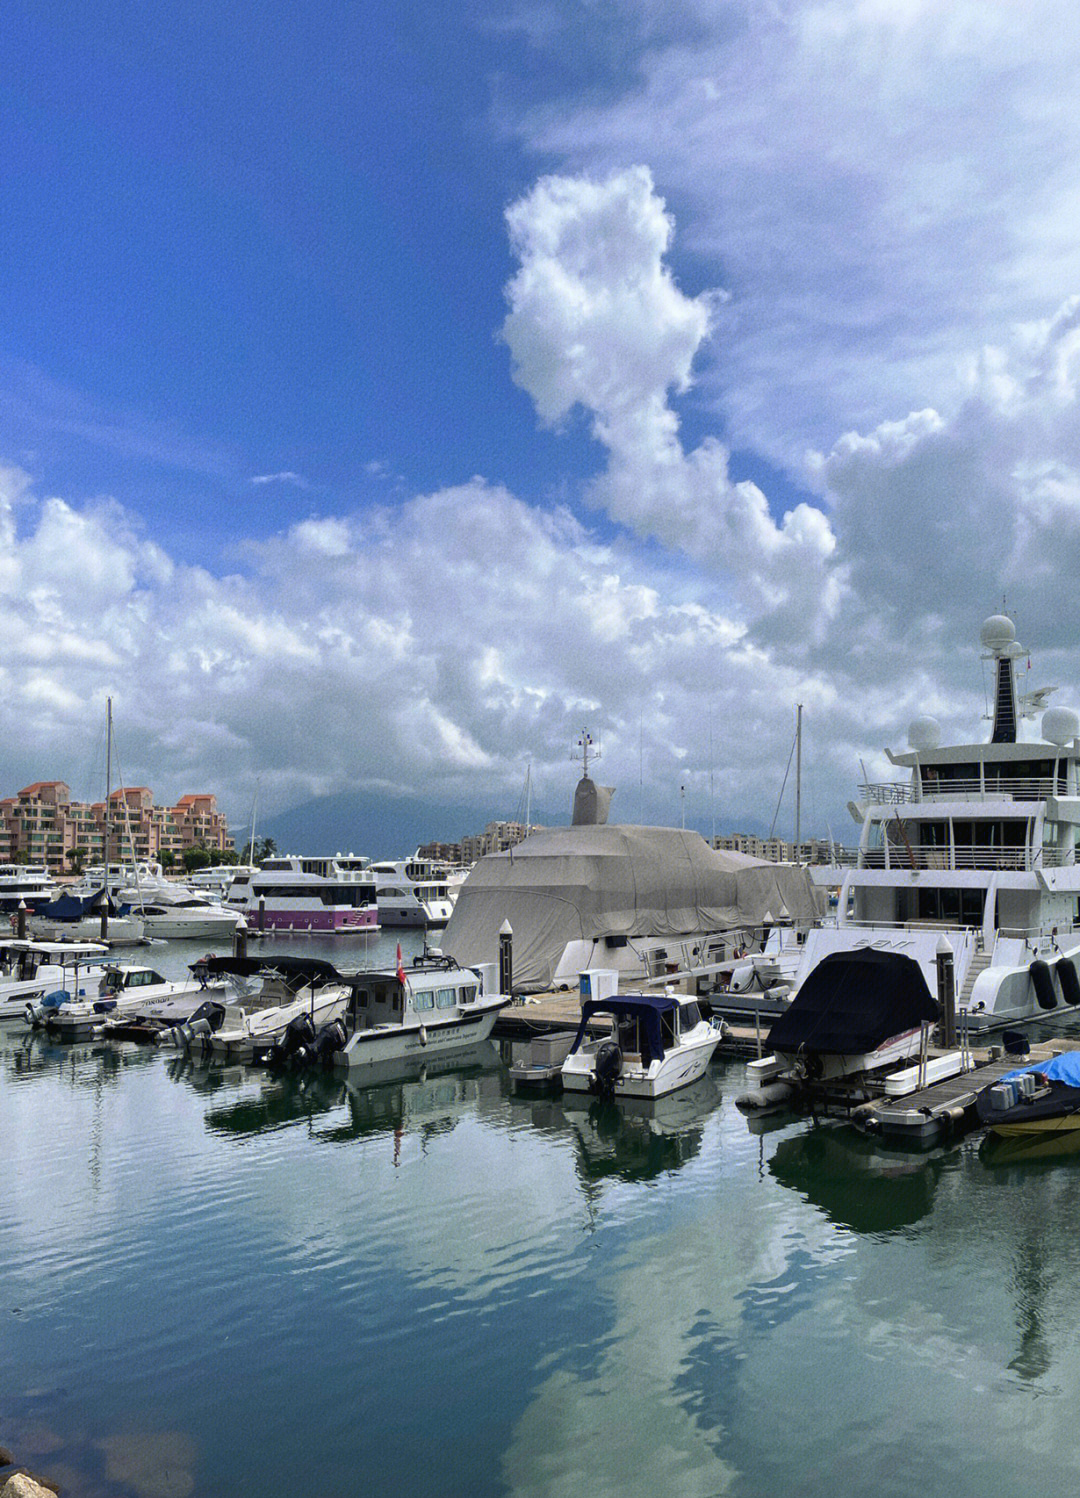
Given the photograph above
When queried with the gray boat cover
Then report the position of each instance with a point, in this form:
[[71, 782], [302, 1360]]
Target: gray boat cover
[[584, 883]]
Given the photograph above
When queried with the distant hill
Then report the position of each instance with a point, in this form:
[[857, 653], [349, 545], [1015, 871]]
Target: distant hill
[[377, 826]]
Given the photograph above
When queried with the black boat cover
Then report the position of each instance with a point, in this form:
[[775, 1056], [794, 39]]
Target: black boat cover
[[852, 1002], [72, 908], [644, 1007], [297, 972]]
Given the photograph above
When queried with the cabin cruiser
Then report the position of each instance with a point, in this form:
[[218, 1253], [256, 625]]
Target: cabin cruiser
[[653, 1044], [27, 884], [429, 1008], [122, 990], [979, 846], [411, 893], [31, 970], [277, 1001], [306, 894], [86, 915]]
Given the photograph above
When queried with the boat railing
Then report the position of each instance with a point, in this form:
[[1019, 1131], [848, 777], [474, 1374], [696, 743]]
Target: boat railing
[[992, 787], [907, 855]]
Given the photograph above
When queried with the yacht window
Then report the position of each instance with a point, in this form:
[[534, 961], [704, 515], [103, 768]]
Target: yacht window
[[468, 995], [445, 998], [424, 1000], [690, 1016], [361, 997]]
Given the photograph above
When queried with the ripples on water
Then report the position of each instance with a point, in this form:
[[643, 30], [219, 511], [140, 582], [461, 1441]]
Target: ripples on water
[[219, 1282]]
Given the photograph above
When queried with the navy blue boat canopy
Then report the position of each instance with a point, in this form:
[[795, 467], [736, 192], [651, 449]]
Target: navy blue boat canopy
[[70, 907], [852, 1002], [644, 1008]]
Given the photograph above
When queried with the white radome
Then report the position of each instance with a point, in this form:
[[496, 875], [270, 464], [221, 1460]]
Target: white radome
[[997, 632], [924, 733], [1060, 725]]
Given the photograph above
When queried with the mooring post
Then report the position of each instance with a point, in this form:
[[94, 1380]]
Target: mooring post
[[240, 940], [946, 991], [20, 921], [262, 912], [103, 906], [506, 958]]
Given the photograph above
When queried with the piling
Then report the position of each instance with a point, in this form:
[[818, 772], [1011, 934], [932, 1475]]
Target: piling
[[946, 987], [506, 958]]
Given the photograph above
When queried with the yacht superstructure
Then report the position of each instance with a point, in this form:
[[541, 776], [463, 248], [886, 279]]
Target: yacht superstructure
[[979, 843]]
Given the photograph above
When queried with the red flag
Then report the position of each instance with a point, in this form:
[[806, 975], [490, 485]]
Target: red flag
[[400, 967]]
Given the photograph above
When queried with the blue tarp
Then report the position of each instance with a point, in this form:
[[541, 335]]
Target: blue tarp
[[1064, 1068]]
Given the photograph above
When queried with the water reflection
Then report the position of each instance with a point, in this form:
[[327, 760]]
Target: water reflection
[[629, 1139], [384, 1098], [855, 1181]]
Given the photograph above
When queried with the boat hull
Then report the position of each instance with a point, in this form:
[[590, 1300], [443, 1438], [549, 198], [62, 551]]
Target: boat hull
[[414, 1041], [678, 1068]]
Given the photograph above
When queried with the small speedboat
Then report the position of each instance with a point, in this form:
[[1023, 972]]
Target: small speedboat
[[653, 1044], [1037, 1100], [124, 990]]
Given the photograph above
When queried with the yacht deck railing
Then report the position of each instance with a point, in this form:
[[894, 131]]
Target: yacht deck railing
[[992, 788], [900, 855]]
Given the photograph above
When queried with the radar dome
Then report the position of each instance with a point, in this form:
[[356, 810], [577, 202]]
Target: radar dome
[[924, 733], [1060, 726], [997, 632]]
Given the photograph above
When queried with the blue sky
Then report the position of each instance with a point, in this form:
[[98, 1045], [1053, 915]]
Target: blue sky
[[445, 381]]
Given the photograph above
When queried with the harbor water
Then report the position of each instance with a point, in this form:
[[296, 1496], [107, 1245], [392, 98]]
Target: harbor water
[[215, 1281]]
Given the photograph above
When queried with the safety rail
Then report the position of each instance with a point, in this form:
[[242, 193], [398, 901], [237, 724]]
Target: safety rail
[[993, 787], [899, 854]]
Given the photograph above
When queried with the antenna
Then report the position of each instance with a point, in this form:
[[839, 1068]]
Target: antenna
[[586, 748]]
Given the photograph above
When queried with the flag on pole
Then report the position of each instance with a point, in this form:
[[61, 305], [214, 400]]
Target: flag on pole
[[400, 967]]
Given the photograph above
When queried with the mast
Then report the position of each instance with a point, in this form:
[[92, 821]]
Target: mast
[[108, 786], [798, 779]]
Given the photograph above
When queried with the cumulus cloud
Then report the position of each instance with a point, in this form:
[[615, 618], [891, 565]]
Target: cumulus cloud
[[596, 320], [885, 186]]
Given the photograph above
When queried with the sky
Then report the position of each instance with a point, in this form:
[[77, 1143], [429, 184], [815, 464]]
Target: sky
[[389, 392]]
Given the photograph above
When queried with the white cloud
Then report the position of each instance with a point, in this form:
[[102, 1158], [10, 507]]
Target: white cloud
[[597, 320], [286, 476]]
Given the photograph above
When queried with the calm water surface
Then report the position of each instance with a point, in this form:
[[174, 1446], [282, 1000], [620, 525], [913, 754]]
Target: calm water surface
[[216, 1282]]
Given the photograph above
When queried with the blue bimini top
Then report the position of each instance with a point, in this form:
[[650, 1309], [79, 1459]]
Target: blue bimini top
[[1064, 1068], [646, 1008]]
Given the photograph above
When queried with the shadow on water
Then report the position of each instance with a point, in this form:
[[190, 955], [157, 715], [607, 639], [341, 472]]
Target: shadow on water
[[856, 1182], [629, 1139]]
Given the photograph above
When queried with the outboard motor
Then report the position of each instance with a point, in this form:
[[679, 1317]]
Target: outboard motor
[[38, 1010], [299, 1033], [196, 1032], [330, 1039], [607, 1069]]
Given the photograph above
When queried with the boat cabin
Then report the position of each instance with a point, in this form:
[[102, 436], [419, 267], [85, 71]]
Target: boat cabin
[[646, 1026], [434, 987]]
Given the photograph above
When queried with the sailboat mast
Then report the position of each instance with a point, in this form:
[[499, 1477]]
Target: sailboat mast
[[798, 780], [108, 784]]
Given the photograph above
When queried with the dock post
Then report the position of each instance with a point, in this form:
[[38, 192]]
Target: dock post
[[240, 941], [20, 921], [506, 958], [103, 906], [262, 912], [946, 989]]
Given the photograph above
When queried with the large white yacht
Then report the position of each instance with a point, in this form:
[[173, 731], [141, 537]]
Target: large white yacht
[[979, 845], [306, 894], [411, 892]]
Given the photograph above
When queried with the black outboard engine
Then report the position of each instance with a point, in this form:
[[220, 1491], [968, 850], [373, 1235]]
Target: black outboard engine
[[607, 1069], [293, 1045], [330, 1039], [197, 1029]]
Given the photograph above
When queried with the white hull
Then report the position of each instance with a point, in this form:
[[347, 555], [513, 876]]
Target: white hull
[[258, 1028], [679, 1067], [414, 1041]]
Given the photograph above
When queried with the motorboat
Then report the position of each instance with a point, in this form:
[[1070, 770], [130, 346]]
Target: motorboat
[[292, 893], [123, 989], [86, 916], [979, 846], [858, 1012], [1036, 1101], [26, 884], [639, 1045], [432, 1007], [280, 1001], [32, 970]]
